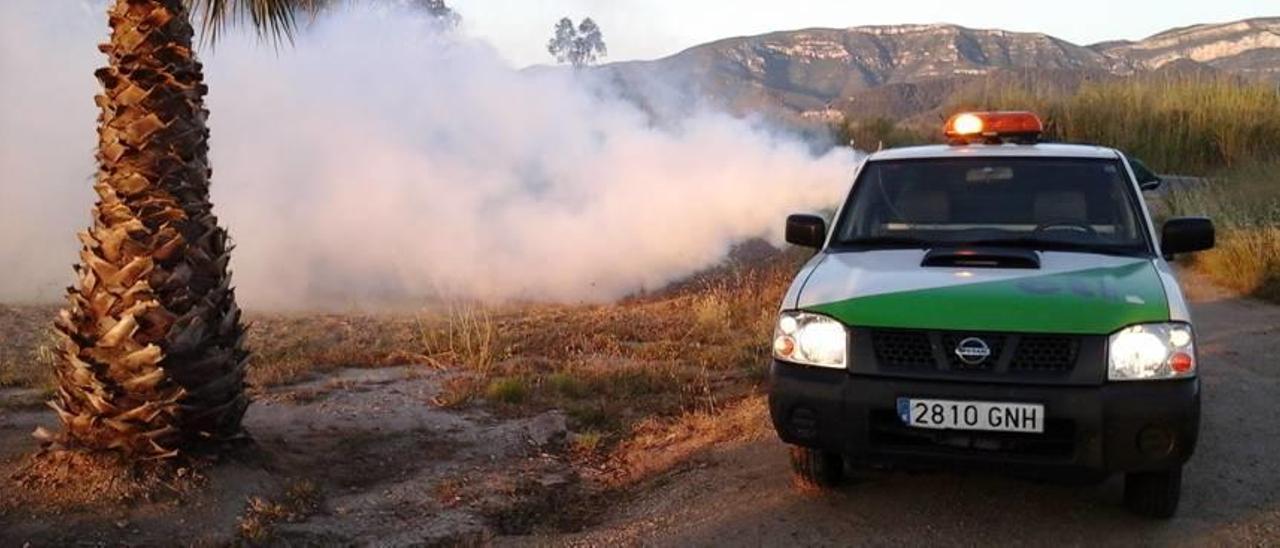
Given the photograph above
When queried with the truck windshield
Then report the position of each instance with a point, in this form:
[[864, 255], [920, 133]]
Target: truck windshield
[[1065, 204]]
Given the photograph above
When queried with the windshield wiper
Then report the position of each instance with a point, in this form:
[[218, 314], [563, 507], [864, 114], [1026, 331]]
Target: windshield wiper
[[1050, 245], [890, 241]]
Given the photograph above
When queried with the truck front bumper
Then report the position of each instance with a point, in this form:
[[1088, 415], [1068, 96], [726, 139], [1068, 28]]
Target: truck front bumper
[[1115, 427]]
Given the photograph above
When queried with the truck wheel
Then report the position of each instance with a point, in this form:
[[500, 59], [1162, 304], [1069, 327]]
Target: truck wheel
[[1153, 494], [814, 469]]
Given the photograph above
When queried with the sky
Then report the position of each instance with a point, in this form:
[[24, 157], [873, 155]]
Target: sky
[[647, 29]]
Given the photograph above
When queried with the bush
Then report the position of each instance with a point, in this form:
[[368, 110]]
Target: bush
[[567, 385], [511, 390]]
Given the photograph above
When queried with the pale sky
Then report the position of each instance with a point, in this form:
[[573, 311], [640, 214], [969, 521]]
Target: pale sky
[[647, 29]]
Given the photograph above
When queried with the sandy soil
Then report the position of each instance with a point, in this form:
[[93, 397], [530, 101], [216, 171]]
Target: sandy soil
[[741, 495], [386, 465]]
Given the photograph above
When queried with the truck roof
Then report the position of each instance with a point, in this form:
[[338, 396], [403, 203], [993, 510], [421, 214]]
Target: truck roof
[[1044, 150]]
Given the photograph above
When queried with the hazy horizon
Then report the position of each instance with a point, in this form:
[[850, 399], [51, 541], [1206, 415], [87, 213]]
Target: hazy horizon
[[519, 30]]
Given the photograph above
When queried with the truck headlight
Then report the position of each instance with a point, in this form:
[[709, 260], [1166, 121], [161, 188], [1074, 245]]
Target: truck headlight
[[1151, 351], [810, 339]]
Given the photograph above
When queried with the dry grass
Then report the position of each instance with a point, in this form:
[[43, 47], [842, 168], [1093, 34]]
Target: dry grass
[[288, 348], [659, 444], [1246, 261], [27, 343], [1186, 124], [465, 335], [691, 348], [694, 348], [1245, 205], [300, 499]]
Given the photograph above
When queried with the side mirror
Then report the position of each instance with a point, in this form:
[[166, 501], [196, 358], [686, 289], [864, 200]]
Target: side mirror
[[1186, 234], [806, 231], [1147, 179]]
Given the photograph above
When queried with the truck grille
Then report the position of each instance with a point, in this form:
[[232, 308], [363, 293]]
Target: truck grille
[[903, 349], [920, 350], [1045, 353]]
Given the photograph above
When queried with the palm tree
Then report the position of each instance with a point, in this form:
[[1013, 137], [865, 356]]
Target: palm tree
[[153, 360]]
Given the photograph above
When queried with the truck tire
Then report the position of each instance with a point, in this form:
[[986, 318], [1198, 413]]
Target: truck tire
[[1153, 494], [814, 469]]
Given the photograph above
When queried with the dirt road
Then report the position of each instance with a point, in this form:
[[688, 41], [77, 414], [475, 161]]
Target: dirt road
[[741, 495]]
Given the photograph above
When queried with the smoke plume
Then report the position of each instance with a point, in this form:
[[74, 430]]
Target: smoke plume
[[379, 159]]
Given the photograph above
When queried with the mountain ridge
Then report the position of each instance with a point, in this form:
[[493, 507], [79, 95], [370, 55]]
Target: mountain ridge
[[813, 74]]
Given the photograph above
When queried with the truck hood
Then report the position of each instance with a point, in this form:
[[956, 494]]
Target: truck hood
[[1079, 293]]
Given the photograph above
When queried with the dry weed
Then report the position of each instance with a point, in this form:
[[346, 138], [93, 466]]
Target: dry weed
[[466, 335], [300, 500], [27, 345], [658, 444], [1246, 260], [61, 480]]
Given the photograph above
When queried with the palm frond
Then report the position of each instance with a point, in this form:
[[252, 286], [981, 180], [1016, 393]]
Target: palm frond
[[273, 19]]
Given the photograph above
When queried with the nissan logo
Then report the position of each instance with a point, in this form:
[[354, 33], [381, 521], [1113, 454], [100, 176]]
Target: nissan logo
[[973, 351]]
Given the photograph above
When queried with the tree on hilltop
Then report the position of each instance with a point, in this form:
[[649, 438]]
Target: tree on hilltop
[[579, 46]]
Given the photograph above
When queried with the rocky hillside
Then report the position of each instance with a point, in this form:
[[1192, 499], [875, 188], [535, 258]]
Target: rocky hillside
[[819, 74], [1249, 48]]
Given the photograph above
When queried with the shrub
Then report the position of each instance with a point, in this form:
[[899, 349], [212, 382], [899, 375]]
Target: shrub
[[567, 385], [588, 443], [511, 390]]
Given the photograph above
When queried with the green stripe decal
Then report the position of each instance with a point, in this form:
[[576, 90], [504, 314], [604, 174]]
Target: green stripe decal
[[1094, 301]]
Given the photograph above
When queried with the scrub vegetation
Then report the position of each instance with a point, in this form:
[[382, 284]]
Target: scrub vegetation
[[694, 347], [1245, 205], [1184, 124]]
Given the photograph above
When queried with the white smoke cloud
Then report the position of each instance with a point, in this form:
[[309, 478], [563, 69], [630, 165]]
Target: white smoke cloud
[[47, 57], [376, 159]]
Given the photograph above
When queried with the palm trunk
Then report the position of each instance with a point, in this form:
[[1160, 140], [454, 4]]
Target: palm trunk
[[154, 357]]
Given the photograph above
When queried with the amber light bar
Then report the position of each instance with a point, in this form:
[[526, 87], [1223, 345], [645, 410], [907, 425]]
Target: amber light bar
[[993, 126]]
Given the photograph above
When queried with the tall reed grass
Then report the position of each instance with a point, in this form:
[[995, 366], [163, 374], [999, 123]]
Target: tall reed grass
[[1190, 124]]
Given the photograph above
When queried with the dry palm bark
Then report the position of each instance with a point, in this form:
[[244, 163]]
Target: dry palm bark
[[154, 356]]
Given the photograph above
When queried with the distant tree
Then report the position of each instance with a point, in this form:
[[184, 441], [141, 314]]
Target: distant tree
[[580, 46], [562, 40]]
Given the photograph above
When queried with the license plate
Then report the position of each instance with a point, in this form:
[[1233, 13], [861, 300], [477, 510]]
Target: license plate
[[971, 415]]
